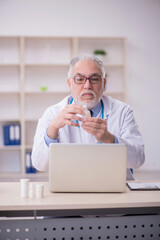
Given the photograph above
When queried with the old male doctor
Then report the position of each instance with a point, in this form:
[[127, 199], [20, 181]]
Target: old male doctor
[[111, 121]]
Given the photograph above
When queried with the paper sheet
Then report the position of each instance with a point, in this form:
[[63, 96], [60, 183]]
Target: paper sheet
[[144, 185]]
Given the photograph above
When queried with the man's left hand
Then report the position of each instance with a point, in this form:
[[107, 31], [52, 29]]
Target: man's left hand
[[98, 128]]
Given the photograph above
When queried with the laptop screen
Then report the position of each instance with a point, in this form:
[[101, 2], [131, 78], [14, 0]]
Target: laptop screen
[[87, 167]]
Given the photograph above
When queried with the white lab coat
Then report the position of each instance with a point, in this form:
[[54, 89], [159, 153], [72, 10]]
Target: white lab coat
[[120, 122]]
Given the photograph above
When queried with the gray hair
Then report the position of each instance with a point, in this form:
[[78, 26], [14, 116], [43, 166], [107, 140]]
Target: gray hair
[[86, 57]]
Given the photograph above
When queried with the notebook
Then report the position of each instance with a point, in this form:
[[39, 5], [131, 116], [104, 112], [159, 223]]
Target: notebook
[[87, 167]]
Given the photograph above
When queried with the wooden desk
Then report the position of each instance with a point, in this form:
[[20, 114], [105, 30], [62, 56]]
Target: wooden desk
[[78, 203], [73, 204]]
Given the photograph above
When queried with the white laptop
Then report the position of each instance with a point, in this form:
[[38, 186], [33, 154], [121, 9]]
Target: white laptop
[[87, 167]]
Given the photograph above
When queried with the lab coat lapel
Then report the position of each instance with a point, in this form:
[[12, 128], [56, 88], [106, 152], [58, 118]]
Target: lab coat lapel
[[106, 104]]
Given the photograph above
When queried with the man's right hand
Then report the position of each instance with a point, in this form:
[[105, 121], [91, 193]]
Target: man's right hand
[[65, 117]]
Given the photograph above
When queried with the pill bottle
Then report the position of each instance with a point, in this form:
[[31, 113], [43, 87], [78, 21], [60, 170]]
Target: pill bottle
[[31, 190], [87, 113], [39, 191], [24, 187]]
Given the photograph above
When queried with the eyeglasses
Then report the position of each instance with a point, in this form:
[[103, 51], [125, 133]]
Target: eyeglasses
[[96, 79]]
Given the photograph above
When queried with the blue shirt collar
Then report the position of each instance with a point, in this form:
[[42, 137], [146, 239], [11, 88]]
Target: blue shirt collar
[[96, 109]]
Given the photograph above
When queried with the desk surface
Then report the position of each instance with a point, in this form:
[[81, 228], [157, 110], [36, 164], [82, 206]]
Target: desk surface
[[10, 199]]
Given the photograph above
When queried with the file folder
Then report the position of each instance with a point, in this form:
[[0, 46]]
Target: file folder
[[12, 134], [28, 162]]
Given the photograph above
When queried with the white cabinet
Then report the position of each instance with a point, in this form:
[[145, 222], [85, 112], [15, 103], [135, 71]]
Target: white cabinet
[[33, 73]]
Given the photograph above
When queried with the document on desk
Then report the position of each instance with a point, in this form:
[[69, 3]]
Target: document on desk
[[143, 185]]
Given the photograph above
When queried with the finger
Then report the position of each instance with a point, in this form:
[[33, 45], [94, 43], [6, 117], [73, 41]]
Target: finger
[[95, 128], [90, 129], [96, 120], [97, 133], [94, 125], [71, 123], [74, 117], [75, 109]]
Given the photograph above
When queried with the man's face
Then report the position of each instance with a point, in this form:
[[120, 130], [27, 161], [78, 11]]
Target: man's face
[[86, 94]]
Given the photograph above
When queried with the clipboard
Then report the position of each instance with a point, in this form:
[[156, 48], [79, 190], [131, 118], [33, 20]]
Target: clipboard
[[144, 186]]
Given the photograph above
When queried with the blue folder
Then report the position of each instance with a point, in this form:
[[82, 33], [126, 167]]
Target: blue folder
[[12, 134]]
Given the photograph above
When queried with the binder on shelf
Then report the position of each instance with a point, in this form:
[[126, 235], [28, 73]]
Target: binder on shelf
[[28, 162], [17, 134], [12, 134]]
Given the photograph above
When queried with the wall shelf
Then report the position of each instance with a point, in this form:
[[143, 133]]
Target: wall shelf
[[8, 148], [46, 64], [27, 64]]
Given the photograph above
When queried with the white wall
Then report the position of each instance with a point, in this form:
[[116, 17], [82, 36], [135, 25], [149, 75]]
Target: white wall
[[139, 20]]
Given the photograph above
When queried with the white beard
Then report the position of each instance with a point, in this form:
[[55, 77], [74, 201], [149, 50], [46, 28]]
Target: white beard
[[88, 104]]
